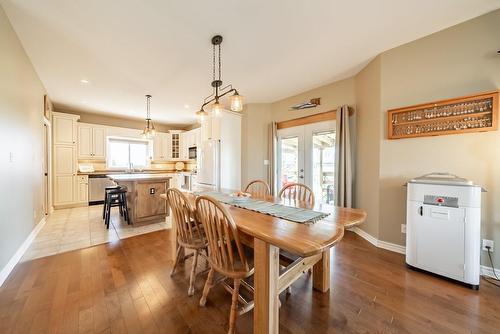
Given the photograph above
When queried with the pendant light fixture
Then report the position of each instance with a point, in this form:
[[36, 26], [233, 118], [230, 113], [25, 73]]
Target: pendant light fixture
[[149, 130], [236, 100]]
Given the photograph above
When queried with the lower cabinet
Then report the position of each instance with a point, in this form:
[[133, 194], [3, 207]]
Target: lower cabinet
[[64, 189], [82, 189]]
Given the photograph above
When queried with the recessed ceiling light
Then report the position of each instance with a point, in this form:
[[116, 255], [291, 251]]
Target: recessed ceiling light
[[84, 81], [186, 106]]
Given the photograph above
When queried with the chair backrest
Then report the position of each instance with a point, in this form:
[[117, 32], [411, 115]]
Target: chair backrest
[[189, 231], [226, 253], [297, 191], [258, 188]]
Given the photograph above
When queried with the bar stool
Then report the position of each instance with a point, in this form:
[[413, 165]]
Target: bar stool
[[116, 197], [106, 190]]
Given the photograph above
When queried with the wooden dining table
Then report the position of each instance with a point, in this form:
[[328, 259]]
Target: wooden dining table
[[311, 243]]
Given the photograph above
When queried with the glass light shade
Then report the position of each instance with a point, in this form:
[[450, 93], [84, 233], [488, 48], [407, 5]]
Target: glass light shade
[[201, 115], [236, 102], [217, 108]]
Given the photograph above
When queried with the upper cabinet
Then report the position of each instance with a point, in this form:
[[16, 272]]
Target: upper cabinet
[[91, 142], [210, 128], [65, 128], [161, 147], [176, 145]]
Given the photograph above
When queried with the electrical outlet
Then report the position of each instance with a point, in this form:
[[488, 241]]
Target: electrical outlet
[[490, 243], [403, 228]]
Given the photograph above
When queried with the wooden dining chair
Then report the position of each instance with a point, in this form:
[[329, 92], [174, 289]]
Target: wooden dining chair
[[226, 255], [297, 191], [190, 234], [258, 188]]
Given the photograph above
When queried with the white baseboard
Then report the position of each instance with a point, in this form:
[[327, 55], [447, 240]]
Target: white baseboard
[[485, 270], [488, 271], [20, 252], [379, 243]]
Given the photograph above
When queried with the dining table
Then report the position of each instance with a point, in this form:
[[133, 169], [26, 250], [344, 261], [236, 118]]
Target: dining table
[[310, 243]]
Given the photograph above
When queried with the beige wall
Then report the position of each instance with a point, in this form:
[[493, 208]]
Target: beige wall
[[457, 61], [254, 145], [332, 96], [257, 117], [368, 89], [21, 132]]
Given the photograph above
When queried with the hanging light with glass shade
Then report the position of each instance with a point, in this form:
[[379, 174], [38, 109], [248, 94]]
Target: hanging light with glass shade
[[149, 130], [235, 100]]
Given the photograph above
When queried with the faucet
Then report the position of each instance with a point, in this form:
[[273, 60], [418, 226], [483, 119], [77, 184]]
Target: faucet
[[130, 167]]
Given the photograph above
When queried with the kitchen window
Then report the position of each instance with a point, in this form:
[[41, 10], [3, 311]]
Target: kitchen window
[[128, 153]]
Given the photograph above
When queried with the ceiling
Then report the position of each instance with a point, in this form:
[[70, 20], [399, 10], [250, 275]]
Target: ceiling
[[271, 50]]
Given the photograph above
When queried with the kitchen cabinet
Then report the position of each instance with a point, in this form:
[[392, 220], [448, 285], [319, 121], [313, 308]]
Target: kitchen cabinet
[[65, 154], [161, 147], [64, 174], [64, 128], [175, 144], [82, 189], [184, 145], [210, 128], [91, 142]]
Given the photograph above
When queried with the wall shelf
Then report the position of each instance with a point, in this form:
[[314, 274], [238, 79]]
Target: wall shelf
[[472, 113]]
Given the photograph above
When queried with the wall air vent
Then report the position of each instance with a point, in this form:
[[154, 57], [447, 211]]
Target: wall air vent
[[312, 103]]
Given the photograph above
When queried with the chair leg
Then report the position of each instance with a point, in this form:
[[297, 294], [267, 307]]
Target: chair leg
[[208, 285], [125, 209], [177, 259], [193, 273], [104, 207], [234, 306], [108, 214]]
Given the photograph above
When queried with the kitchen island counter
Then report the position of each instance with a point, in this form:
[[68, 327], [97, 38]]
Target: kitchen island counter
[[143, 196]]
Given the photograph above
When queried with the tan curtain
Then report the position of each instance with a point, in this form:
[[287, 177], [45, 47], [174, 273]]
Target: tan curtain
[[272, 150], [343, 159]]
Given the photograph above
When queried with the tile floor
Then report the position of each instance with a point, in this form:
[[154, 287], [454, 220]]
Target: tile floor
[[78, 228]]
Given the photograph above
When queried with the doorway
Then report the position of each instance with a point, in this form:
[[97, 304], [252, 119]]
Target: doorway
[[306, 154]]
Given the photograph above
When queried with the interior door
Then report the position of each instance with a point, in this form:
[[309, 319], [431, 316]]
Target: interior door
[[306, 154]]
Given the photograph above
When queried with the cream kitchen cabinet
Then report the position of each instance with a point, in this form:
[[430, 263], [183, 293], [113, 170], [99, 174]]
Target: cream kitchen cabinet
[[175, 144], [161, 147], [210, 128], [82, 189], [65, 179], [64, 128], [65, 153], [91, 142]]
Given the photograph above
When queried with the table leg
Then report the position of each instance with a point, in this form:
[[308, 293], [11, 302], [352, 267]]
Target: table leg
[[266, 312], [321, 273]]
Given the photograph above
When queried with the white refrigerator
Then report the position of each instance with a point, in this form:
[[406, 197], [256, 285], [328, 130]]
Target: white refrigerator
[[219, 160]]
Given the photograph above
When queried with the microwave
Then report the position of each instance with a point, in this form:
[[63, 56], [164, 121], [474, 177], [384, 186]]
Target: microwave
[[192, 152]]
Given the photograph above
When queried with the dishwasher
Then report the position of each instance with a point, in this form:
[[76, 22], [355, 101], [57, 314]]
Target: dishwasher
[[97, 184]]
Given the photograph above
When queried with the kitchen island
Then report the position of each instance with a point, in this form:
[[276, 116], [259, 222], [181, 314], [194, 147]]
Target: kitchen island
[[143, 196]]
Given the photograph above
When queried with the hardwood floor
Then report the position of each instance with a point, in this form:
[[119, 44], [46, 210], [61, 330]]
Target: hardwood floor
[[124, 286]]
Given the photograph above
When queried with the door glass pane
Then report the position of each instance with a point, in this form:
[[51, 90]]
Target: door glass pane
[[323, 166], [289, 160]]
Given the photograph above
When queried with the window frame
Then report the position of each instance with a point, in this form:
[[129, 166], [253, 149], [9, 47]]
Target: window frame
[[128, 140]]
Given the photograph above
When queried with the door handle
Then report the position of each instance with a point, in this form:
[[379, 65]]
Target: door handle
[[301, 177], [421, 210]]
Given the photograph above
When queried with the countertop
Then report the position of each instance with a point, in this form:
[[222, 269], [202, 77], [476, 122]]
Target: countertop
[[139, 177], [120, 172]]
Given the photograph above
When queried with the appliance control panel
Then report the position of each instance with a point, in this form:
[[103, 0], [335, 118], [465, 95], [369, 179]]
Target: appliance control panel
[[447, 201]]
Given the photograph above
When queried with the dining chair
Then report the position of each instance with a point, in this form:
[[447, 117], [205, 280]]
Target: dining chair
[[297, 191], [258, 188], [226, 255], [190, 234]]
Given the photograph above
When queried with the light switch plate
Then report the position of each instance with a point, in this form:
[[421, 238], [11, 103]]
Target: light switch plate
[[403, 228]]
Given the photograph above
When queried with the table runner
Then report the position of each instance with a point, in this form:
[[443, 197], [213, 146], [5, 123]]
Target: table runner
[[297, 215]]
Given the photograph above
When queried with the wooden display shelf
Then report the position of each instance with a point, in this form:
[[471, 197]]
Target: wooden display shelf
[[472, 113]]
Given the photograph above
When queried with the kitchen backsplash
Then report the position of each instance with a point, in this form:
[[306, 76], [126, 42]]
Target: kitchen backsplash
[[188, 165]]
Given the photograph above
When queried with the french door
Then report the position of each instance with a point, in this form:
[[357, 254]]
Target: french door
[[306, 154]]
